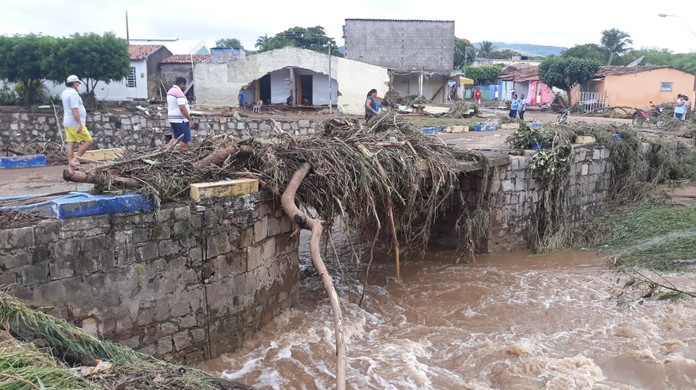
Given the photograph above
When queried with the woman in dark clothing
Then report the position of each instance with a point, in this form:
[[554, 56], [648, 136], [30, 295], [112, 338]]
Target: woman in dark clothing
[[371, 104]]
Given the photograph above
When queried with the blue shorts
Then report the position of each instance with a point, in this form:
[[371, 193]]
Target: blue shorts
[[679, 116], [182, 130]]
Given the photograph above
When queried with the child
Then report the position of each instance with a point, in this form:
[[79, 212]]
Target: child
[[523, 107]]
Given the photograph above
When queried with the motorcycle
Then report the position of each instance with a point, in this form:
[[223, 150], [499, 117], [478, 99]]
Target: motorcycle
[[563, 116], [655, 114]]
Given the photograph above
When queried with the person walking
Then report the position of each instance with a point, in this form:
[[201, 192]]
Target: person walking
[[522, 107], [477, 95], [514, 106], [371, 104], [75, 121], [179, 114]]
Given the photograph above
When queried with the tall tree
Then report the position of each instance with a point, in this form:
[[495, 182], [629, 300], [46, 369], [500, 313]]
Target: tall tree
[[565, 73], [588, 51], [616, 42], [311, 38], [25, 60], [485, 49], [481, 74], [93, 58], [464, 53], [233, 43]]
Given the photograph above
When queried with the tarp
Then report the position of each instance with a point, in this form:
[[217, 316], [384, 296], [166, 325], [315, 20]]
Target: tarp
[[465, 81]]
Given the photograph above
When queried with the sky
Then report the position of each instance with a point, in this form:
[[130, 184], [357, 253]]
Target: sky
[[540, 22]]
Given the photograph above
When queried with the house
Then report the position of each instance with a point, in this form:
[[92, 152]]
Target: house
[[289, 76], [179, 65], [523, 79], [637, 86], [419, 53]]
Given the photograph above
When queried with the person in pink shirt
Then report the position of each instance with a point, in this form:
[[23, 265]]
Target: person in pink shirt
[[179, 114]]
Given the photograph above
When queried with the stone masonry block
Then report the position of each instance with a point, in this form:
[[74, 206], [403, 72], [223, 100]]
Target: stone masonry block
[[217, 245], [596, 154], [508, 186], [261, 229], [203, 191], [585, 169]]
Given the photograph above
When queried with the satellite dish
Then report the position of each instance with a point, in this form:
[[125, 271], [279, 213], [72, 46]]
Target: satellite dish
[[635, 62]]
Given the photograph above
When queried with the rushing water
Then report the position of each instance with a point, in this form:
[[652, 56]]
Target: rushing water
[[516, 321]]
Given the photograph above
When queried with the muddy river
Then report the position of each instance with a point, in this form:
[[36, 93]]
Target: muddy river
[[517, 321]]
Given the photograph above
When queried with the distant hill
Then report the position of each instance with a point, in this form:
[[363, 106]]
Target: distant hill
[[528, 49]]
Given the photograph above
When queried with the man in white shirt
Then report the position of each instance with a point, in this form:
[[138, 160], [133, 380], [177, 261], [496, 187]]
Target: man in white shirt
[[179, 115], [74, 121]]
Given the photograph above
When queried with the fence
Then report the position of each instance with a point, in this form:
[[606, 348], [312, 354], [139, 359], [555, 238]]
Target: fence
[[591, 101]]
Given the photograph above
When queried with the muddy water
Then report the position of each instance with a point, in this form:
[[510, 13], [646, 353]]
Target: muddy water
[[517, 321]]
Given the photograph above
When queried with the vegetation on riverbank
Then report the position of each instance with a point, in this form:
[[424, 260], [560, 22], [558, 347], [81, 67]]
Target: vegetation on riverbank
[[38, 351]]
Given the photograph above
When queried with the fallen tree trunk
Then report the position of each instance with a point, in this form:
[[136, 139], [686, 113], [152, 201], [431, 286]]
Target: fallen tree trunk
[[84, 177], [287, 201], [220, 155]]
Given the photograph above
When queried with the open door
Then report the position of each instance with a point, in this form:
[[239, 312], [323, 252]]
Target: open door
[[304, 92]]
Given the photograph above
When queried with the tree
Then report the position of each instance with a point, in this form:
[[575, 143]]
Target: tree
[[481, 74], [565, 73], [485, 49], [504, 54], [93, 58], [311, 38], [616, 42], [464, 53], [588, 51], [25, 60], [233, 43]]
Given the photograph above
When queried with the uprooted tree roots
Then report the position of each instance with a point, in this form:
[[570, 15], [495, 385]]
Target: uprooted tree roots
[[383, 174]]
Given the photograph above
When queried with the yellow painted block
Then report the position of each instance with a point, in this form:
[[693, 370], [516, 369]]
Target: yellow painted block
[[510, 126], [459, 129], [103, 154], [585, 139], [219, 189]]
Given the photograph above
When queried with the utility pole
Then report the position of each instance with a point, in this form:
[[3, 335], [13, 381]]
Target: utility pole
[[330, 103], [127, 34]]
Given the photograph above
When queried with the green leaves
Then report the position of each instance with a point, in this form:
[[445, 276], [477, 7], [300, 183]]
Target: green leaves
[[566, 72]]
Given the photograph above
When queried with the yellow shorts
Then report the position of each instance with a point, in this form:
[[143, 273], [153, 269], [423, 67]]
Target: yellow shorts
[[73, 136]]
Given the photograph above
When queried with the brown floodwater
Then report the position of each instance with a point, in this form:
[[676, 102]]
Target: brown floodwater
[[516, 321]]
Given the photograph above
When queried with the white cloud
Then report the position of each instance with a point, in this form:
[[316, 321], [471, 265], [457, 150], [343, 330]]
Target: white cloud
[[543, 22]]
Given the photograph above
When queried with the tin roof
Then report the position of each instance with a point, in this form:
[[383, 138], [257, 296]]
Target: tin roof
[[141, 52], [619, 70], [185, 59]]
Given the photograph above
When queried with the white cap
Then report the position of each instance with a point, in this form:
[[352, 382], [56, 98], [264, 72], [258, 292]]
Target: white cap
[[72, 78]]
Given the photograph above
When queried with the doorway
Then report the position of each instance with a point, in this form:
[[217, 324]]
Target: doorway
[[305, 90], [265, 89]]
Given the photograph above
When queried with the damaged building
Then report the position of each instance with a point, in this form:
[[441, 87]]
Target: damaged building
[[418, 53], [288, 76]]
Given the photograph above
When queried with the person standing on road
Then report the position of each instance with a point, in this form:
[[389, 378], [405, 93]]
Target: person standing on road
[[522, 107], [371, 104], [514, 106], [179, 114], [477, 95], [242, 99], [75, 121]]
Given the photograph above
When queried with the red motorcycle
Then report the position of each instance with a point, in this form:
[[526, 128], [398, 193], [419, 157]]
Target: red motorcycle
[[656, 114]]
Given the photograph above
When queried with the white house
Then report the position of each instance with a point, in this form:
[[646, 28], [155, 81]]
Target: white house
[[289, 76]]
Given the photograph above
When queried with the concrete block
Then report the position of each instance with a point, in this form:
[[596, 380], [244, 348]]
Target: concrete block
[[67, 208], [32, 160], [225, 188], [103, 154], [510, 126]]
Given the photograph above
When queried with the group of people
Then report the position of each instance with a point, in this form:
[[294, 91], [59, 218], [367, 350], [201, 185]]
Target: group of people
[[75, 118], [681, 106], [518, 106]]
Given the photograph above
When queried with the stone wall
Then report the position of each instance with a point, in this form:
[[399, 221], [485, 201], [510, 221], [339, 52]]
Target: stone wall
[[515, 195], [135, 131], [183, 282]]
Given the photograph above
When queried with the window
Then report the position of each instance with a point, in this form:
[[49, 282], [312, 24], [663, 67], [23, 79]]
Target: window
[[665, 87], [130, 80]]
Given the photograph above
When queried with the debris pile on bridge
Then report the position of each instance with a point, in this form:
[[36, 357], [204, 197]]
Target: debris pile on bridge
[[38, 351], [358, 172]]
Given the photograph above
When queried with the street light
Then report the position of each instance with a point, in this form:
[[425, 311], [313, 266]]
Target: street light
[[675, 16]]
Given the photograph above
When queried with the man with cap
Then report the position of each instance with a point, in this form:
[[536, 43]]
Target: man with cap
[[74, 121]]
